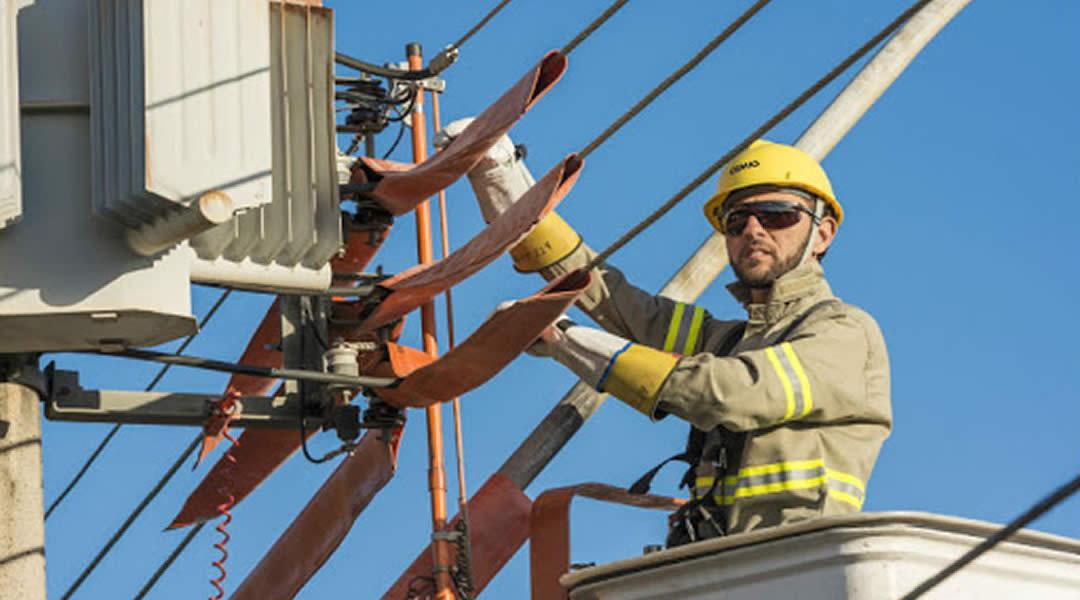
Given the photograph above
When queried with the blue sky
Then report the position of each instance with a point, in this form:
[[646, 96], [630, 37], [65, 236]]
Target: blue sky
[[958, 239]]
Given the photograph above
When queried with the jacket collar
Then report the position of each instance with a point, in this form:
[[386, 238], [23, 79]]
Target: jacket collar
[[801, 283]]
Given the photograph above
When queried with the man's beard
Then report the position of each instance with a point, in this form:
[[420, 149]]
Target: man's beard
[[779, 268]]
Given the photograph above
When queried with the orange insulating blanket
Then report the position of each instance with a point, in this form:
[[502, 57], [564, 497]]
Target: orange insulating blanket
[[262, 351], [399, 189], [498, 526], [549, 545], [261, 451], [320, 528], [498, 341], [258, 454], [417, 286]]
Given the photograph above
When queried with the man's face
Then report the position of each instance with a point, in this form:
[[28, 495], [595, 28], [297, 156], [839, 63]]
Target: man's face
[[759, 255]]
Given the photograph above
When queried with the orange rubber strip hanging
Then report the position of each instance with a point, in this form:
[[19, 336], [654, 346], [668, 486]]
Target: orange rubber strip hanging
[[323, 524], [503, 508], [261, 351], [419, 285], [503, 518], [497, 342], [549, 545], [401, 188], [499, 525], [261, 451], [265, 450]]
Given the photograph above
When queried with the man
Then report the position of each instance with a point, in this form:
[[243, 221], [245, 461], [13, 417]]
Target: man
[[790, 407]]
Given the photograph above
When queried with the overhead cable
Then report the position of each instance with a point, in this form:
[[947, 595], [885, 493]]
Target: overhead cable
[[169, 560], [757, 133], [674, 77], [446, 57], [1036, 511], [134, 515], [611, 10], [480, 24], [116, 428]]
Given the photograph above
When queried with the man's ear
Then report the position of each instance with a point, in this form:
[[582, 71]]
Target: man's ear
[[823, 236]]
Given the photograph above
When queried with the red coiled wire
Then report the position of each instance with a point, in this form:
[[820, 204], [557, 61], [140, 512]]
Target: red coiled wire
[[226, 407]]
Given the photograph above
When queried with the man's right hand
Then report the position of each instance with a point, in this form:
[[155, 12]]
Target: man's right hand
[[499, 179]]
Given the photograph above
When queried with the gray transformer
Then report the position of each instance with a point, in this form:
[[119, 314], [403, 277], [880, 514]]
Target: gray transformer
[[153, 154]]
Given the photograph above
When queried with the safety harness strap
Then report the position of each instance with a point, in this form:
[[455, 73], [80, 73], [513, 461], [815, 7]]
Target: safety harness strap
[[695, 443], [701, 443]]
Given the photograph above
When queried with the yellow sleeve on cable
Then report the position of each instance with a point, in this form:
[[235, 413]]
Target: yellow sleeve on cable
[[549, 242], [637, 376]]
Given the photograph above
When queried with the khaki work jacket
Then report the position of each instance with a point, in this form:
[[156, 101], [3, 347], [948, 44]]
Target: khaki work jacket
[[814, 409]]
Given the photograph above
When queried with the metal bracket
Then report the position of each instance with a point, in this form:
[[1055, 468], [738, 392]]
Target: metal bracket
[[433, 84], [22, 369], [66, 400]]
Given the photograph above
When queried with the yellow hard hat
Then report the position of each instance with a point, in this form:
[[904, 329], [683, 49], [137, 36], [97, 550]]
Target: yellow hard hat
[[767, 163]]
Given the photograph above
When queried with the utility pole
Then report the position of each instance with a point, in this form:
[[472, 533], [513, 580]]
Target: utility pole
[[22, 521]]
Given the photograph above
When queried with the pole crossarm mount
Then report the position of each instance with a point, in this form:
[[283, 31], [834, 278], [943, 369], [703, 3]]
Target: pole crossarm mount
[[66, 400]]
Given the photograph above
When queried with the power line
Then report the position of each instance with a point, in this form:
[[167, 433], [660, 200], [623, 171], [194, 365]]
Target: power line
[[674, 77], [611, 10], [480, 24], [169, 560], [757, 133], [134, 515], [1036, 511], [442, 61], [116, 428]]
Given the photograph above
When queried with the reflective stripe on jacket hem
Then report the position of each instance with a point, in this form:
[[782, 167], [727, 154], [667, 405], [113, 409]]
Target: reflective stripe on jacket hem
[[761, 480]]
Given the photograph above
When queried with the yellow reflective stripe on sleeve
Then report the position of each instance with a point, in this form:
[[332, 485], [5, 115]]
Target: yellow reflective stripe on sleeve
[[804, 382], [789, 393], [695, 329], [673, 328]]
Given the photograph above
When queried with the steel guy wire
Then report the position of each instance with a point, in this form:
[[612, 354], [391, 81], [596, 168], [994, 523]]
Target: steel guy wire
[[169, 560], [611, 10], [674, 77], [1039, 509], [757, 133], [153, 383], [134, 515]]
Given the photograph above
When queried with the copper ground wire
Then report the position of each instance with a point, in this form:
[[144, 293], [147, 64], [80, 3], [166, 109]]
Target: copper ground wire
[[226, 408], [459, 438]]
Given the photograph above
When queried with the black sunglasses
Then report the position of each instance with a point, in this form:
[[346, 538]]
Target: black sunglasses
[[771, 215]]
